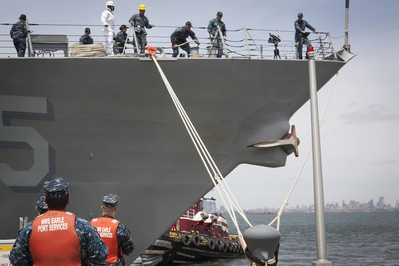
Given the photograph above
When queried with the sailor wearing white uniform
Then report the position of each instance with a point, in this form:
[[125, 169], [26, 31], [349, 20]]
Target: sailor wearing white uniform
[[107, 18]]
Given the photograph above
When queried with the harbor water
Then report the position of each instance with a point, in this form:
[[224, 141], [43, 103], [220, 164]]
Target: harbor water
[[355, 239]]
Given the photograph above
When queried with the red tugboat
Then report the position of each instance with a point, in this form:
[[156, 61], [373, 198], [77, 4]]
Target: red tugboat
[[200, 234]]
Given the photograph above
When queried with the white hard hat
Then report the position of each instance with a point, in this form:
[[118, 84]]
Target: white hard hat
[[109, 3]]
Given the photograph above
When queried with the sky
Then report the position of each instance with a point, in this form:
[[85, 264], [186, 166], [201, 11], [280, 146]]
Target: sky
[[358, 136]]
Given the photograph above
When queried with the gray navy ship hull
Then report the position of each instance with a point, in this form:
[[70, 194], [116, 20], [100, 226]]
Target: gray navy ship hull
[[108, 125]]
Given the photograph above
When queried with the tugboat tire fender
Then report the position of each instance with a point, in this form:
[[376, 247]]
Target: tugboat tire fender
[[230, 244], [220, 244], [225, 245], [211, 243], [186, 239], [196, 240]]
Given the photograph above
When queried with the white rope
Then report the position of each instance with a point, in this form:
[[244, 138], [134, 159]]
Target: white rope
[[127, 38], [178, 45], [135, 40], [206, 158], [285, 203]]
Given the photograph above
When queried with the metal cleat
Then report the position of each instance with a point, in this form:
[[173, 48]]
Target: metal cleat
[[289, 143]]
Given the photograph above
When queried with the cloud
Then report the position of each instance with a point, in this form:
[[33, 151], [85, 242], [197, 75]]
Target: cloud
[[373, 113]]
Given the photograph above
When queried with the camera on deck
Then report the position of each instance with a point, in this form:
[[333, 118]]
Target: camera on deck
[[275, 40]]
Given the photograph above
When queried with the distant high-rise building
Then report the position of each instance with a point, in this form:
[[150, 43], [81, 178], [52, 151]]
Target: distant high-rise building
[[381, 203], [222, 210], [371, 204], [397, 204]]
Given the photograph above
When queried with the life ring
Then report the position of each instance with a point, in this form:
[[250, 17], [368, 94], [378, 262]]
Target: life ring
[[211, 243], [186, 239], [196, 240]]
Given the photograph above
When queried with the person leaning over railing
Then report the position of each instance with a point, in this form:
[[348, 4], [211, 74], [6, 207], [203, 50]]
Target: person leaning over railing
[[179, 36]]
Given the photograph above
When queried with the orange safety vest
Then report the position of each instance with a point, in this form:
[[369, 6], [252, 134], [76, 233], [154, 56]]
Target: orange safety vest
[[54, 240], [106, 228]]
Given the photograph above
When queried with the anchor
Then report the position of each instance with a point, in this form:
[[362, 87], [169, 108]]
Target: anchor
[[289, 143]]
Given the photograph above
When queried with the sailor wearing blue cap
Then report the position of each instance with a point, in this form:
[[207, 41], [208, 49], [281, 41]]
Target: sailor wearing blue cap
[[120, 40], [86, 38], [300, 35], [58, 237], [179, 36], [41, 206], [113, 232], [214, 34], [18, 34]]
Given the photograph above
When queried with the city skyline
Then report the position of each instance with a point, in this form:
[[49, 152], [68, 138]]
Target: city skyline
[[371, 204]]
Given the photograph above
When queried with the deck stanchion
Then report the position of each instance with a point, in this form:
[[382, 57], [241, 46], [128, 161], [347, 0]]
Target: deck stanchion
[[317, 169]]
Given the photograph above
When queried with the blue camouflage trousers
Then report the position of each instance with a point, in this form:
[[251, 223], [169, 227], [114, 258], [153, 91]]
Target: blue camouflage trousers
[[142, 42], [20, 46], [185, 47], [302, 41], [217, 43]]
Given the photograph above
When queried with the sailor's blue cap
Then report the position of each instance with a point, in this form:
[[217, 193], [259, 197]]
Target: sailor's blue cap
[[300, 15], [111, 200], [56, 187], [23, 17], [188, 23], [219, 13], [41, 206], [123, 27], [87, 30]]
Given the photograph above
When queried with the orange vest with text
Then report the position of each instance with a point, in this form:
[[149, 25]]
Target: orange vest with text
[[54, 240], [106, 228]]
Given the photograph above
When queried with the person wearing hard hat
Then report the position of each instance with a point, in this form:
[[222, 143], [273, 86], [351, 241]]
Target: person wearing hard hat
[[301, 38], [140, 22], [86, 38], [215, 35], [120, 40], [114, 233], [180, 35], [108, 20], [58, 237], [18, 34]]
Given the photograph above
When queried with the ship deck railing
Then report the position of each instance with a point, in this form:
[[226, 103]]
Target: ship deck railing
[[243, 42]]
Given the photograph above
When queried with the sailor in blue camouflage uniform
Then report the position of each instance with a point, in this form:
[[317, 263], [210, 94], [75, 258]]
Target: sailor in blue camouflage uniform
[[18, 34], [140, 22], [180, 35], [120, 40], [25, 249], [214, 34], [86, 38], [41, 206], [300, 34], [120, 245]]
